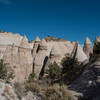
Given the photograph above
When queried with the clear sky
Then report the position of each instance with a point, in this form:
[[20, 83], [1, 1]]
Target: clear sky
[[68, 19]]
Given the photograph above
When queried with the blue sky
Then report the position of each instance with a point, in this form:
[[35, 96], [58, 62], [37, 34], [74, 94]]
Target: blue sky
[[68, 19]]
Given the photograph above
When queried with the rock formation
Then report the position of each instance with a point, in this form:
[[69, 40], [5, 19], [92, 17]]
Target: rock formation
[[40, 57], [44, 50], [88, 82], [25, 57], [55, 56], [35, 47], [88, 48], [78, 53], [19, 58], [8, 38]]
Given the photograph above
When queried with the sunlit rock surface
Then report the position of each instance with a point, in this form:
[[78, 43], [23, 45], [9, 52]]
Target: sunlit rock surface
[[88, 48]]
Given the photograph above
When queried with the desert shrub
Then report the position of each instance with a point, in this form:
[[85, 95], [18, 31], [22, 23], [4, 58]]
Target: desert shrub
[[33, 86], [50, 38], [71, 68], [6, 73], [57, 92], [54, 71], [31, 77], [3, 70], [50, 92]]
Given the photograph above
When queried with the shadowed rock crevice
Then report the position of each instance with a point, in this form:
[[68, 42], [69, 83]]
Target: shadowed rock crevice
[[43, 68]]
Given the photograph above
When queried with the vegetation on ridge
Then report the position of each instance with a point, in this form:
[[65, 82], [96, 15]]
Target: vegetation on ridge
[[50, 38], [54, 71], [71, 67], [6, 73]]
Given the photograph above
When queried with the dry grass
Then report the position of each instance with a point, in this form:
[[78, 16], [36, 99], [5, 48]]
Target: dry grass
[[50, 92], [7, 90], [57, 92]]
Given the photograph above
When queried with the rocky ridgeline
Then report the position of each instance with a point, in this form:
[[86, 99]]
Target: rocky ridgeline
[[24, 57]]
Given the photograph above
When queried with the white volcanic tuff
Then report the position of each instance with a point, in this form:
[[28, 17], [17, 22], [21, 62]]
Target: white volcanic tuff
[[57, 53], [88, 48], [35, 47], [88, 41], [40, 56], [62, 47], [20, 60], [78, 53], [10, 38], [55, 56], [24, 43], [36, 44]]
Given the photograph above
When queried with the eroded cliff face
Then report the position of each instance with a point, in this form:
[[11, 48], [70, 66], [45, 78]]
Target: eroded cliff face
[[78, 53], [25, 57], [17, 54], [8, 39], [88, 82], [50, 51], [88, 48]]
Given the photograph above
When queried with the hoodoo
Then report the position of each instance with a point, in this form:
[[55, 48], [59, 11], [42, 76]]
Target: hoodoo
[[88, 48], [78, 53]]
